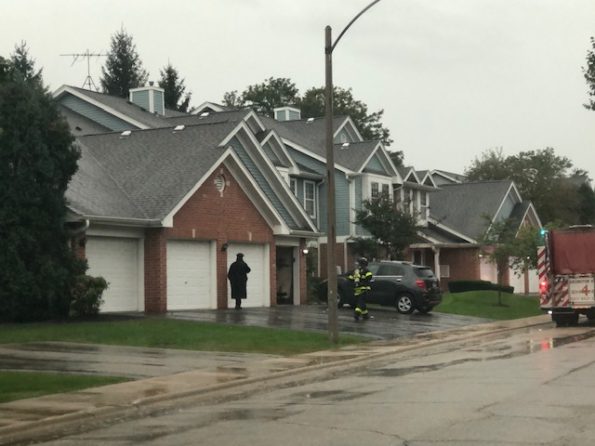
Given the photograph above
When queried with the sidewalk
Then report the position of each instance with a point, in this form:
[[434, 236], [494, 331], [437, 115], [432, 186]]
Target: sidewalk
[[31, 418]]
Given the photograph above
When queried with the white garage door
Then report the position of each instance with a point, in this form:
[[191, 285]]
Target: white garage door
[[117, 261], [190, 276], [258, 288]]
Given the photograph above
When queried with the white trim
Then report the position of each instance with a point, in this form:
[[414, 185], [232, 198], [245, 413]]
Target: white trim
[[452, 231], [313, 155], [105, 108], [314, 198], [349, 121]]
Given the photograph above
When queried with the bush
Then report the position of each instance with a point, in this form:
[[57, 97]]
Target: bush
[[86, 296], [314, 284], [461, 286]]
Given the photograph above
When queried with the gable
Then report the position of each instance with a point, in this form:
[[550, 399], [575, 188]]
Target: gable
[[95, 114], [374, 165]]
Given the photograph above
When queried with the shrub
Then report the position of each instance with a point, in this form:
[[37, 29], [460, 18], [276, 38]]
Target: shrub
[[461, 286], [86, 296]]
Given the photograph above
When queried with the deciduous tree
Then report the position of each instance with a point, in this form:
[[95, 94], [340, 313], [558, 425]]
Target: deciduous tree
[[542, 177], [392, 228], [278, 92], [589, 73]]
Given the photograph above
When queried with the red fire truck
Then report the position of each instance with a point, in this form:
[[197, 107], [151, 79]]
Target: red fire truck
[[566, 267]]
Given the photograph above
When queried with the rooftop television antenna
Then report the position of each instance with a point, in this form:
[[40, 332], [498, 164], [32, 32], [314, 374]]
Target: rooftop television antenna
[[76, 56]]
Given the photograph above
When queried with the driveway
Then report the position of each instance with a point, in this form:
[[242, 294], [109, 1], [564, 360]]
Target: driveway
[[386, 323]]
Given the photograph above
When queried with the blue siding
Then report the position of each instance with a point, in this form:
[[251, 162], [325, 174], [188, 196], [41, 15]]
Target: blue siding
[[141, 98], [341, 194], [159, 102], [374, 165], [507, 208], [263, 184], [268, 150], [95, 114], [342, 137]]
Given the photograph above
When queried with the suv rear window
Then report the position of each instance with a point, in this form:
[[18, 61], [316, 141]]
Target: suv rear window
[[425, 273]]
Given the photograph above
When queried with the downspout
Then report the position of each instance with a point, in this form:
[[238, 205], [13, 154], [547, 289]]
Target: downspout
[[436, 261]]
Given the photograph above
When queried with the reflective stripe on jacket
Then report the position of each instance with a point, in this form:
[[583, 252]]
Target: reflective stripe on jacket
[[361, 279]]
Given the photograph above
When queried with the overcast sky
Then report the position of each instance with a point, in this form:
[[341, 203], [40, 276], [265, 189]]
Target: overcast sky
[[454, 77]]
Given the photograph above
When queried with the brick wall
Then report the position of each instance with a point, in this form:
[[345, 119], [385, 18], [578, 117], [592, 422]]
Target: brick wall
[[155, 271], [463, 262], [225, 217]]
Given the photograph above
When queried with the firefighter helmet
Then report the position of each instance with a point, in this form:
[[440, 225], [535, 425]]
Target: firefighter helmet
[[362, 262]]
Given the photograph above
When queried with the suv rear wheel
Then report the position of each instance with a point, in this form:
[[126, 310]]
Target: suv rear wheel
[[404, 304]]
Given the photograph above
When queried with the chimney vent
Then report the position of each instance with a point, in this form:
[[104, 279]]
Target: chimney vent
[[150, 98], [287, 113]]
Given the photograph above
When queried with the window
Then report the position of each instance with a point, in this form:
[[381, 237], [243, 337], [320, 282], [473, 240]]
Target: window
[[444, 270], [293, 186], [374, 190], [310, 198], [386, 190]]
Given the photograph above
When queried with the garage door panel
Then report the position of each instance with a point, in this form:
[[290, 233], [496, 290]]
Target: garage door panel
[[258, 287], [117, 261], [189, 275]]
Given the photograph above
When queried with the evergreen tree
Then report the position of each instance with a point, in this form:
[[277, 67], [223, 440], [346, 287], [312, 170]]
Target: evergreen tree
[[37, 160], [174, 89], [123, 69]]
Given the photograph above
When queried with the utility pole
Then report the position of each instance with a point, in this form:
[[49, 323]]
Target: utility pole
[[331, 237], [76, 56]]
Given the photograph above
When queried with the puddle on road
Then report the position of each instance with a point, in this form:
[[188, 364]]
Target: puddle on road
[[548, 344], [532, 346], [330, 395]]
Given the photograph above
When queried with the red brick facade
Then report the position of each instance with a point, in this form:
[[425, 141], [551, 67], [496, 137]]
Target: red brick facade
[[209, 215], [463, 265]]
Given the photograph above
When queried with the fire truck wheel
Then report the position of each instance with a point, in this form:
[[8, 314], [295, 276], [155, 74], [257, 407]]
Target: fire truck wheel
[[591, 314], [565, 319]]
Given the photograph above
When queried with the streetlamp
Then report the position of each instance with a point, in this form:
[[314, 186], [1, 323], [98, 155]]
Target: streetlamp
[[331, 236]]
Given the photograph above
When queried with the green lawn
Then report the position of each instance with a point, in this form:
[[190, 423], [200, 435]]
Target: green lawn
[[169, 333], [485, 304], [20, 385]]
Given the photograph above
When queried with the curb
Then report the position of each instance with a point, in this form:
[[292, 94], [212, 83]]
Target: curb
[[362, 357]]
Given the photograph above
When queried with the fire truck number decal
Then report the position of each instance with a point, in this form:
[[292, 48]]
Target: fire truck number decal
[[581, 289]]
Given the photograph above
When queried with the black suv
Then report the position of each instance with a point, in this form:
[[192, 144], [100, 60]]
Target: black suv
[[402, 285]]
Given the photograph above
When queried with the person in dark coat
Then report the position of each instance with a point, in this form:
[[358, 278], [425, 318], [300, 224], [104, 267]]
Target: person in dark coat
[[238, 276]]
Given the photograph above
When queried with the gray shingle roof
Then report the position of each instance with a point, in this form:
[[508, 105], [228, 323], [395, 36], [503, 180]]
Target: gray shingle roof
[[355, 154], [125, 107], [80, 125], [462, 207], [154, 169]]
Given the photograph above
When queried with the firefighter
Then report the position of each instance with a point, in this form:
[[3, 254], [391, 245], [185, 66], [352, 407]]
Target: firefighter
[[361, 278]]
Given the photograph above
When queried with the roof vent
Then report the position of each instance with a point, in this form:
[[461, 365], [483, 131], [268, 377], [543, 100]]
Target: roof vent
[[310, 120], [125, 133], [179, 128], [204, 114], [345, 145]]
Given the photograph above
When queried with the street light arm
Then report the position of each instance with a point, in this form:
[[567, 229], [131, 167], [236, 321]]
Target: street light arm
[[351, 23]]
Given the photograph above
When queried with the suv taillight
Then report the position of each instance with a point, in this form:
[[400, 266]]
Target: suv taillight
[[420, 283]]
